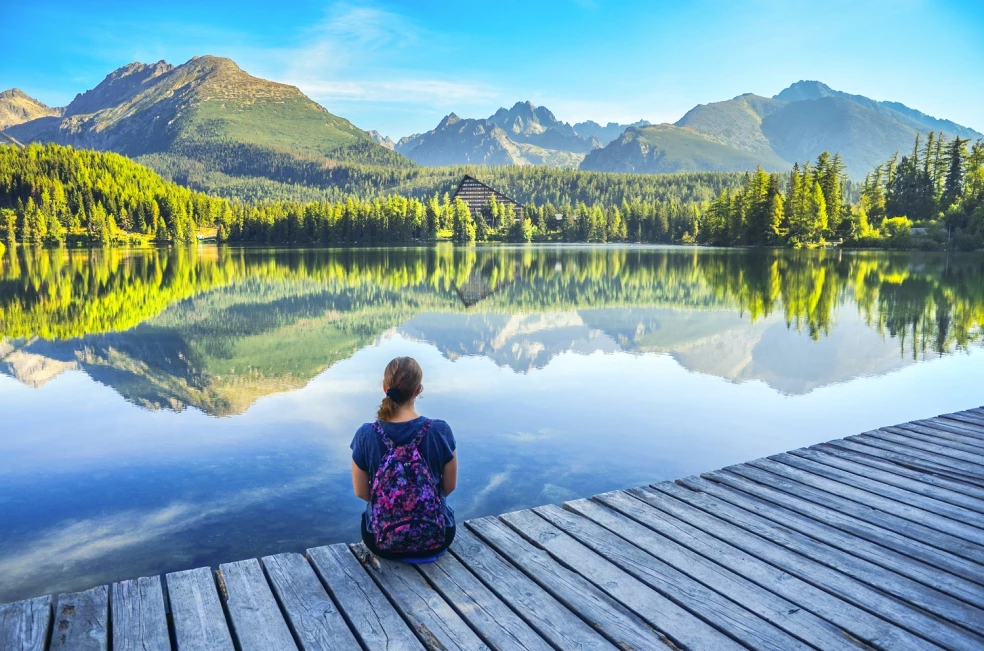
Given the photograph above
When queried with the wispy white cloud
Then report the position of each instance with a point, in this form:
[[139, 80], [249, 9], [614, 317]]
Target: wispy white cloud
[[72, 547], [368, 54], [433, 91]]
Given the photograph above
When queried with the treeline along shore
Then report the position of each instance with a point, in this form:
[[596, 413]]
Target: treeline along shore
[[932, 197], [935, 305]]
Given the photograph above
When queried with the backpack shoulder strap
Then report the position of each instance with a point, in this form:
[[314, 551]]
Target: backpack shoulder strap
[[418, 439], [382, 434]]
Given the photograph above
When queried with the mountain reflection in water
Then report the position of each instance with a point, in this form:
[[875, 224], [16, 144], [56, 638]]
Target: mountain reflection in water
[[565, 371], [218, 328]]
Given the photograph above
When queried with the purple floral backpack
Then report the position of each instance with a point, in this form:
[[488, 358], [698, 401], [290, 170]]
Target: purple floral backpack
[[406, 513]]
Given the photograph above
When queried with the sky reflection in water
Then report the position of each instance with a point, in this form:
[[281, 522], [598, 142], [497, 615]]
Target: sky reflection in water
[[210, 420]]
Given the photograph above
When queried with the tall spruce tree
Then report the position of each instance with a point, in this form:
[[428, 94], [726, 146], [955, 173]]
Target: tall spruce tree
[[953, 186]]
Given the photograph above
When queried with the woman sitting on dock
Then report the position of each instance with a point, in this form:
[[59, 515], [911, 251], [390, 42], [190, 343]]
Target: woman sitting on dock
[[405, 465]]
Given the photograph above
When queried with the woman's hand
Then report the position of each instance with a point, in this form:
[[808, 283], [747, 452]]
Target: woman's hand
[[360, 482]]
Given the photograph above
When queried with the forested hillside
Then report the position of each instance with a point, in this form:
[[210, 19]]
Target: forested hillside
[[52, 194], [938, 187]]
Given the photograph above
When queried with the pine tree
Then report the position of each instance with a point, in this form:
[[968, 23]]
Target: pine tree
[[818, 223], [953, 186], [755, 207], [56, 232], [463, 226], [8, 222], [776, 214]]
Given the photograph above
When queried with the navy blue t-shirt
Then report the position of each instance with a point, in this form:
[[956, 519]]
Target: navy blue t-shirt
[[437, 448]]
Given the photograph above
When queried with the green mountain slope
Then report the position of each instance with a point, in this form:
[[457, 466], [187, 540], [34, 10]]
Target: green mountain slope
[[797, 124], [208, 111], [736, 122], [811, 90], [802, 130], [665, 148]]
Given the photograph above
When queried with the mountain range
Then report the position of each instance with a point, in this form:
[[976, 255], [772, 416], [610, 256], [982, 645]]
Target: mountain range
[[735, 135], [797, 124], [206, 112], [523, 135], [207, 117], [164, 364]]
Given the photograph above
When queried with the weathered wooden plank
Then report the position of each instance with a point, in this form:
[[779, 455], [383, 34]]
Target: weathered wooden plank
[[934, 437], [853, 452], [616, 622], [942, 450], [767, 543], [953, 426], [138, 619], [810, 521], [199, 621], [311, 614], [373, 618], [859, 623], [827, 479], [944, 607], [933, 513], [920, 485], [24, 624], [782, 478], [493, 620], [767, 605], [680, 625], [81, 621], [934, 463], [956, 480], [942, 434], [429, 615], [256, 619], [551, 619], [965, 417], [739, 618], [954, 466]]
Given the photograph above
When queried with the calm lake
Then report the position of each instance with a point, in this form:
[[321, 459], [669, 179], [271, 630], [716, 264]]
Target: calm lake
[[168, 409]]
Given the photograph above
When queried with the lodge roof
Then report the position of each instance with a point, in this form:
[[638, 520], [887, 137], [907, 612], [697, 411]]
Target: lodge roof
[[484, 191]]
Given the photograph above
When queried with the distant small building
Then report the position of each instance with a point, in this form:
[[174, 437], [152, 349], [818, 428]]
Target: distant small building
[[477, 195]]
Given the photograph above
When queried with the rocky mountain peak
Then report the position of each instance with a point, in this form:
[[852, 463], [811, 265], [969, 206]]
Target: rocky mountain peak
[[805, 90], [119, 86], [380, 139], [13, 93], [17, 107], [449, 119]]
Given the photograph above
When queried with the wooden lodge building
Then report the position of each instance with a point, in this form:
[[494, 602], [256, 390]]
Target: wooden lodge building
[[476, 194]]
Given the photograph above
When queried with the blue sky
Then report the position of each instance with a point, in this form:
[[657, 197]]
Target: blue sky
[[400, 67]]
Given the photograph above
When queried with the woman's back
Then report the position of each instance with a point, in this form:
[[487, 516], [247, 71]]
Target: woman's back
[[405, 466], [437, 447]]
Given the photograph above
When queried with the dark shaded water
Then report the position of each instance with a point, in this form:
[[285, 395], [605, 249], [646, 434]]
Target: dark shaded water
[[161, 410]]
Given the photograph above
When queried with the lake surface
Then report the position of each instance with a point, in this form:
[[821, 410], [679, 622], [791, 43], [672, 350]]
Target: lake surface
[[168, 409]]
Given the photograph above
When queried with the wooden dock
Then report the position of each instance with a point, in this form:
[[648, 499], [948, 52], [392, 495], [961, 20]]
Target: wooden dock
[[873, 541]]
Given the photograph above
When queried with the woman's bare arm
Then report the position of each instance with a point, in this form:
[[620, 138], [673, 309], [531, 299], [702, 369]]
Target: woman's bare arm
[[360, 482], [449, 479]]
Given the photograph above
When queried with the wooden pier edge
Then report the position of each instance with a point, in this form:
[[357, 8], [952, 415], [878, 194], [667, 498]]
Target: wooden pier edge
[[871, 541]]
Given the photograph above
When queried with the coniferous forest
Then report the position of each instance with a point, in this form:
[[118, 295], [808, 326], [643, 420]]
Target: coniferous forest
[[931, 197]]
